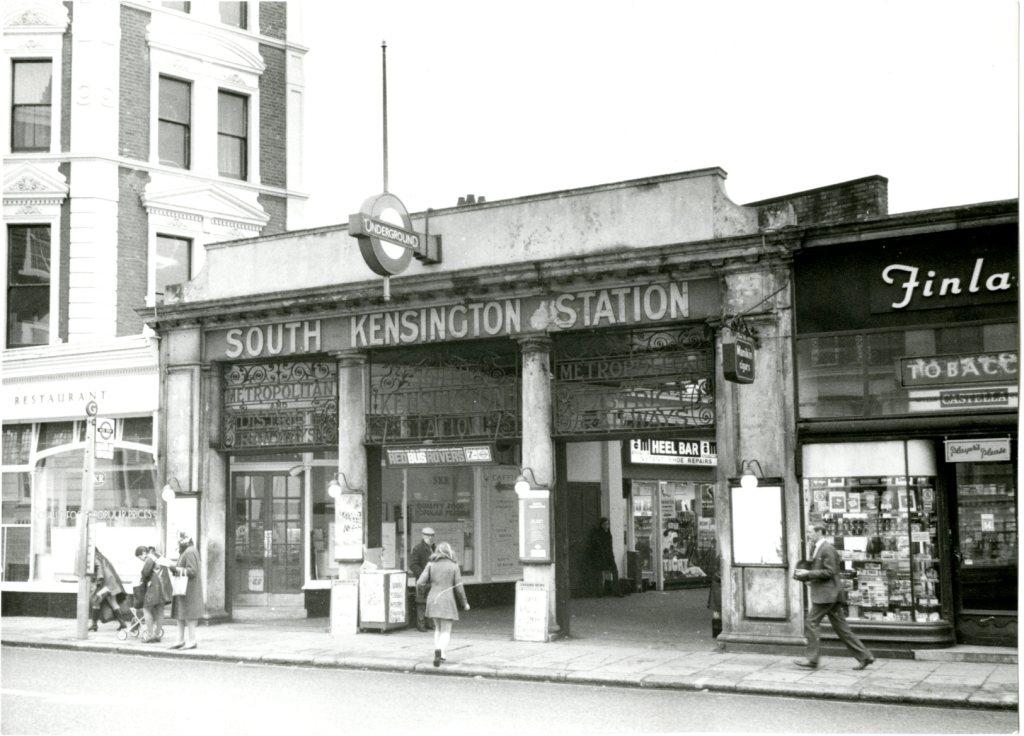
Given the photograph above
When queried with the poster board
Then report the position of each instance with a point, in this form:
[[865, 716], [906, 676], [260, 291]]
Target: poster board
[[396, 597], [348, 530], [757, 523], [535, 526], [371, 597], [502, 522], [531, 622], [182, 515], [344, 608]]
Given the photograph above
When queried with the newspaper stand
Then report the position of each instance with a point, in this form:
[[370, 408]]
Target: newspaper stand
[[382, 601]]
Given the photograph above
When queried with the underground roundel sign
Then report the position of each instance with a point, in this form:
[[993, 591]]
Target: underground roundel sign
[[386, 236]]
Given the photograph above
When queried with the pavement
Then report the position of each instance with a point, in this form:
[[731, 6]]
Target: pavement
[[945, 680]]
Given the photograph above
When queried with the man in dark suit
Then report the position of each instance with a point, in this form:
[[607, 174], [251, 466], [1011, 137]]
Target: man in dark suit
[[417, 562], [822, 580]]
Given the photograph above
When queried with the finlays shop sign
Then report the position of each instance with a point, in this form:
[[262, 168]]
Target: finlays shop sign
[[623, 306]]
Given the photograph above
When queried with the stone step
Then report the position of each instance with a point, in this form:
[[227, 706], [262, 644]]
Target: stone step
[[267, 613], [968, 653]]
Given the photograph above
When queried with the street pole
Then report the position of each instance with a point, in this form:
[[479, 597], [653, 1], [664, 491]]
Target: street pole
[[85, 574]]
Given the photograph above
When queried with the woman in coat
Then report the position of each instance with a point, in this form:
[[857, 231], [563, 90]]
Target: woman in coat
[[156, 593], [442, 582], [189, 607]]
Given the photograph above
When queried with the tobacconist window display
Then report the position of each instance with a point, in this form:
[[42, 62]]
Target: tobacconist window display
[[885, 529]]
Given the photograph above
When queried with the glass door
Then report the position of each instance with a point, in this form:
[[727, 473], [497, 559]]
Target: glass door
[[985, 555], [267, 523], [645, 544]]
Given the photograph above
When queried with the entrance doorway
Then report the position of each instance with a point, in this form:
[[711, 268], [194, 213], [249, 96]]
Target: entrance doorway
[[584, 509], [985, 553], [266, 521]]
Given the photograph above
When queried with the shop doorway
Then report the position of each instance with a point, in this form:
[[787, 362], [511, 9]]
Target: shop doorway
[[584, 509], [267, 528], [985, 552]]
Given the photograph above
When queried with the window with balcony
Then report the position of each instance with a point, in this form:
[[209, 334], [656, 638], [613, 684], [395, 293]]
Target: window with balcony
[[234, 14], [28, 285], [232, 135], [173, 262], [31, 86], [175, 122]]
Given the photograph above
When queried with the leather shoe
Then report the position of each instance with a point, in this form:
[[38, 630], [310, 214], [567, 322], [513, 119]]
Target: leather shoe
[[179, 645], [806, 663], [421, 627], [864, 664]]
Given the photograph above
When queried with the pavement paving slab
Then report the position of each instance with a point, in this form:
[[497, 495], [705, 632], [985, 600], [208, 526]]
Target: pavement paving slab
[[938, 681]]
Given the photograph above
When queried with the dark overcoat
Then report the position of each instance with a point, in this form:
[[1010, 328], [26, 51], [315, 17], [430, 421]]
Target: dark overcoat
[[157, 582]]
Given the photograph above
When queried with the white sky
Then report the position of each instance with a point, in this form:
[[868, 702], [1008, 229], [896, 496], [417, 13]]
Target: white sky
[[524, 97]]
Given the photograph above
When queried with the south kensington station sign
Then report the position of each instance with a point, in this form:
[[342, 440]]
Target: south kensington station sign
[[617, 306]]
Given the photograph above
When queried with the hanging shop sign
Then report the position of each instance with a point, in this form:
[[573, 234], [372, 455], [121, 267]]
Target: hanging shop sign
[[738, 360], [425, 456], [623, 306], [978, 451], [388, 246], [959, 369], [673, 452]]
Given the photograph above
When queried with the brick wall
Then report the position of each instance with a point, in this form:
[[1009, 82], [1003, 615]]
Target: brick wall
[[860, 199], [65, 86], [65, 257], [132, 250], [134, 97], [273, 20], [277, 208], [273, 118]]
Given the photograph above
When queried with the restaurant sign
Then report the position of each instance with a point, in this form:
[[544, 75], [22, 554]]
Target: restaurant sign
[[425, 456], [978, 451], [959, 370], [623, 306], [673, 452]]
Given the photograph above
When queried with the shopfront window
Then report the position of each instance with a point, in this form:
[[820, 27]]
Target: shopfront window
[[987, 526], [42, 497], [868, 374], [883, 522], [674, 532]]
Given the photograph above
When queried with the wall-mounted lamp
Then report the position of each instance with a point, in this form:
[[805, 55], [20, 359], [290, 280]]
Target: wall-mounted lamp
[[522, 484], [295, 471], [334, 488], [748, 478], [171, 489]]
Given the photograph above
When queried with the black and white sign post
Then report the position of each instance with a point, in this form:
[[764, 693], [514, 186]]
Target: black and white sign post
[[86, 552]]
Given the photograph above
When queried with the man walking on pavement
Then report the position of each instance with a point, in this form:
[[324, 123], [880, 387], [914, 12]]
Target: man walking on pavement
[[822, 580], [417, 562]]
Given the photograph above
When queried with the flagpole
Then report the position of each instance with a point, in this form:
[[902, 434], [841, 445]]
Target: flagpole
[[384, 74]]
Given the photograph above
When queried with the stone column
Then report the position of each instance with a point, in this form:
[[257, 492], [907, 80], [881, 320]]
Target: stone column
[[213, 483], [538, 449], [761, 606], [352, 389]]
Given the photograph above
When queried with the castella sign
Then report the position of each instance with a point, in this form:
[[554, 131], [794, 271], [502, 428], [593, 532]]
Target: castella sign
[[386, 236]]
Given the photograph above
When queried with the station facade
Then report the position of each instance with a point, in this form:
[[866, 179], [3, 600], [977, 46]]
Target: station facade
[[581, 339]]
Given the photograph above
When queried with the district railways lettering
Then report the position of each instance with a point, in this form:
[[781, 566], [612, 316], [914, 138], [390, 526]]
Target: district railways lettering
[[608, 307]]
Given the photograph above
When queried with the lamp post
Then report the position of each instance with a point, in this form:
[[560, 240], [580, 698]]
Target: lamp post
[[85, 551]]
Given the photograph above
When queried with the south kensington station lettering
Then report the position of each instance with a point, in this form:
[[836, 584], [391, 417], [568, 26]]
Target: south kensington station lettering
[[606, 307]]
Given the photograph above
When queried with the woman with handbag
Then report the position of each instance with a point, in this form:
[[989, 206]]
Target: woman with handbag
[[444, 581], [155, 584], [187, 606]]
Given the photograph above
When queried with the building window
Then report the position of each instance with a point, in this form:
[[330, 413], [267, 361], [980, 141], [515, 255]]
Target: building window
[[175, 120], [28, 285], [182, 7], [232, 132], [173, 262], [30, 108], [234, 14]]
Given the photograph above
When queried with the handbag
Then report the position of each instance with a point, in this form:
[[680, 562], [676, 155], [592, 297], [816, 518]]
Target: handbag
[[179, 584]]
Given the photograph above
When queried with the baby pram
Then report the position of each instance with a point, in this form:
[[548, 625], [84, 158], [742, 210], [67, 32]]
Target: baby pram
[[108, 595]]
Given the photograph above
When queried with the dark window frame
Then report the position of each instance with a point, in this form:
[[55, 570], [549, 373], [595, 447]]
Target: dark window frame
[[243, 15], [243, 139], [185, 126], [16, 106], [158, 288], [10, 287]]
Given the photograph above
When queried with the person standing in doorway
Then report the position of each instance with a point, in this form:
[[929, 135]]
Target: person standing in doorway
[[189, 607], [822, 580], [602, 557], [418, 562], [441, 583]]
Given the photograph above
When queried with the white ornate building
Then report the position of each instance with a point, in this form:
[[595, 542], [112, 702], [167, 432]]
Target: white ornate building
[[136, 134]]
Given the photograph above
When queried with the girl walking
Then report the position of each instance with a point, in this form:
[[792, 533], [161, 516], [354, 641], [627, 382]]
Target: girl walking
[[441, 582]]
